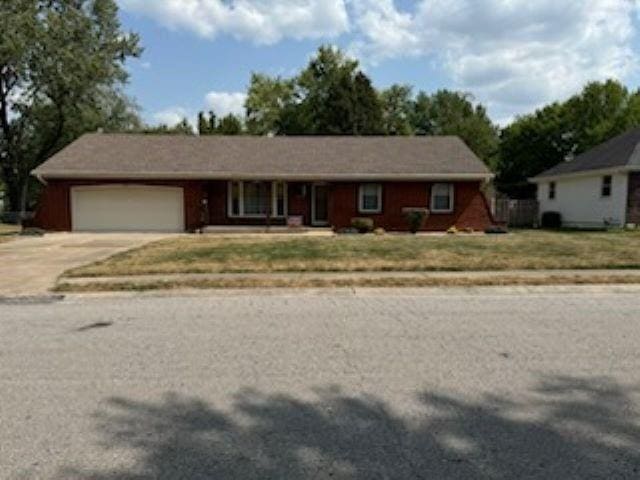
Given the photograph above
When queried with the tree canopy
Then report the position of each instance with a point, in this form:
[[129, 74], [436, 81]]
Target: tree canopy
[[454, 113], [333, 96], [536, 142], [61, 73]]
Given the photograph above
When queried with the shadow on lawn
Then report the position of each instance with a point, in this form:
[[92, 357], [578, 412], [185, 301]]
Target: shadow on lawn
[[571, 429]]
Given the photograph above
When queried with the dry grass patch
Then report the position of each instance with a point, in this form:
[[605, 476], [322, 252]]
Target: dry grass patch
[[399, 282], [8, 232], [525, 250]]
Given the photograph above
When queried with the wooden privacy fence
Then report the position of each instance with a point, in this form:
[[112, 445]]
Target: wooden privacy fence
[[516, 213]]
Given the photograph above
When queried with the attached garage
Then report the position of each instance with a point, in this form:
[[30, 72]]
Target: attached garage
[[103, 208]]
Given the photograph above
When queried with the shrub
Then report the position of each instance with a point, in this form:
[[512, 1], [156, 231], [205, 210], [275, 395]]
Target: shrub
[[551, 220], [363, 225], [379, 231], [416, 218], [452, 230]]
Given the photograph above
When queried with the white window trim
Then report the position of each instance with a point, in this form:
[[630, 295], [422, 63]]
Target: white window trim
[[361, 208], [274, 201], [432, 202]]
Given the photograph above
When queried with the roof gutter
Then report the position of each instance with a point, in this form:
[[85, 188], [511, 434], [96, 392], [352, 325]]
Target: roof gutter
[[39, 177], [88, 175], [583, 173]]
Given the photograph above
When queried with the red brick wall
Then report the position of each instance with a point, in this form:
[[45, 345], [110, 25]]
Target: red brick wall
[[54, 208], [633, 204], [470, 211]]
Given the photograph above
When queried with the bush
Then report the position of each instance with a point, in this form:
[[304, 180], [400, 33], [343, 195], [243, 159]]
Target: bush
[[551, 220], [379, 231], [416, 217], [452, 230], [363, 225]]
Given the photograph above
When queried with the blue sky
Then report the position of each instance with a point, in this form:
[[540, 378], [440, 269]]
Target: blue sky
[[512, 55]]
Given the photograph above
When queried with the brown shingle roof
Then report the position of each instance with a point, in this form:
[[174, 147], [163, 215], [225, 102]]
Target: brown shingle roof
[[246, 157]]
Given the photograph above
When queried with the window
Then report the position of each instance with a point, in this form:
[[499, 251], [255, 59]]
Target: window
[[606, 186], [370, 198], [257, 199], [552, 191], [442, 198]]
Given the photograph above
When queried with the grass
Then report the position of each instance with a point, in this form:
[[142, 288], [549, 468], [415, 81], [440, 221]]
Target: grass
[[248, 283], [523, 250]]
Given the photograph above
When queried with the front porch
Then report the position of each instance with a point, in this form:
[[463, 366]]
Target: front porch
[[265, 206]]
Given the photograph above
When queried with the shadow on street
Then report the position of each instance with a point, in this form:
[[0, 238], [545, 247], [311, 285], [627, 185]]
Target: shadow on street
[[570, 428]]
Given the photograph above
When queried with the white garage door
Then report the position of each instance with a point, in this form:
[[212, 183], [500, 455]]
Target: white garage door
[[127, 208]]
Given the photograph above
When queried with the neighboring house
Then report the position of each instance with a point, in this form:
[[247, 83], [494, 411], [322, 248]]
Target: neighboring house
[[106, 182], [599, 187]]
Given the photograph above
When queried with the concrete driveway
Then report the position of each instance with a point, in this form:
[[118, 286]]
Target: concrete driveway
[[365, 386], [31, 265]]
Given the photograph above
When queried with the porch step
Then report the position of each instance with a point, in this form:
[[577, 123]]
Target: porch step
[[260, 229]]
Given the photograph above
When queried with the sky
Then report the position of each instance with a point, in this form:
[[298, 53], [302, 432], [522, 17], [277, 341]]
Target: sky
[[511, 55]]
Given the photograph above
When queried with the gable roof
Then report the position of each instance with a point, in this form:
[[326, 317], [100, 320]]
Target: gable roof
[[248, 157], [622, 151]]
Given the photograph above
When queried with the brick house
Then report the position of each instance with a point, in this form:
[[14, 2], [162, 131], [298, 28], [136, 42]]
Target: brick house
[[105, 182]]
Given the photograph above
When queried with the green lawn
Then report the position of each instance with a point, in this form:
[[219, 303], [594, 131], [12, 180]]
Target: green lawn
[[521, 250]]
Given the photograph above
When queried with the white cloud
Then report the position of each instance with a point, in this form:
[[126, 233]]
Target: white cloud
[[513, 54], [224, 103], [172, 116], [259, 21]]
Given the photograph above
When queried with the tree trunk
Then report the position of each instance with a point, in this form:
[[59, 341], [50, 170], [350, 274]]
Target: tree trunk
[[13, 194], [16, 194], [24, 194]]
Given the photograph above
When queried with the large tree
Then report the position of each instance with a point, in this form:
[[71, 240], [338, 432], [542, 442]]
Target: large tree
[[230, 125], [330, 96], [553, 134], [327, 92], [397, 106], [267, 100], [601, 111], [367, 107], [61, 71], [530, 145], [454, 113], [207, 123]]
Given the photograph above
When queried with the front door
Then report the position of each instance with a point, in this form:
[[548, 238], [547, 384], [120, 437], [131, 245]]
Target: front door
[[319, 204]]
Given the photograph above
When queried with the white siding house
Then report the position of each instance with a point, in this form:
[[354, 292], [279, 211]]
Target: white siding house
[[585, 200], [600, 187]]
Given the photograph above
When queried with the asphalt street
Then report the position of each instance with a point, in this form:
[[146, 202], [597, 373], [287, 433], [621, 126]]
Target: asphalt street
[[489, 383]]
